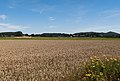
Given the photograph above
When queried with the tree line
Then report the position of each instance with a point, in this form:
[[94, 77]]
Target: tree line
[[80, 34]]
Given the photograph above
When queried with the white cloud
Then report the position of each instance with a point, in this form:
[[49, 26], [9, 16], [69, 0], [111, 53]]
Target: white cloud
[[111, 13], [51, 18], [39, 11], [51, 26], [11, 7], [3, 17], [43, 8], [12, 27]]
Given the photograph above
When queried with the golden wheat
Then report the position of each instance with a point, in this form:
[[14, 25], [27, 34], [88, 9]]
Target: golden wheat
[[49, 60]]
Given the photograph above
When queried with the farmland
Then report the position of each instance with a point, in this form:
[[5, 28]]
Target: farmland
[[49, 60]]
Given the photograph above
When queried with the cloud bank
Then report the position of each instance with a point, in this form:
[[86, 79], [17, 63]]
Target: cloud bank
[[12, 27]]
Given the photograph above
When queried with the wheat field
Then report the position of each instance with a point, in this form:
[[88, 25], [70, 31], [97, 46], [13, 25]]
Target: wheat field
[[49, 60]]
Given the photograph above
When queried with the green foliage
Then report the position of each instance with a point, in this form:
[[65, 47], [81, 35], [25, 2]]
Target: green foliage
[[56, 38], [107, 69]]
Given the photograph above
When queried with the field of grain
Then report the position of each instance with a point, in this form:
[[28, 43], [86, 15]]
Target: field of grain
[[49, 60]]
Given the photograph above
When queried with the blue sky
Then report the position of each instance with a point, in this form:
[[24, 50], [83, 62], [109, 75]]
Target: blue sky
[[68, 16]]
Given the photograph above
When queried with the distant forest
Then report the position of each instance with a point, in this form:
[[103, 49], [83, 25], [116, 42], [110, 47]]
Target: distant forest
[[81, 34]]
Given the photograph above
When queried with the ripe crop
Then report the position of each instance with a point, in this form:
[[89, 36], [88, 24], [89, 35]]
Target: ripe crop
[[49, 60]]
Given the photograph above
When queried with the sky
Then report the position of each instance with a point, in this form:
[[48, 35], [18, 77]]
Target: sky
[[63, 16]]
